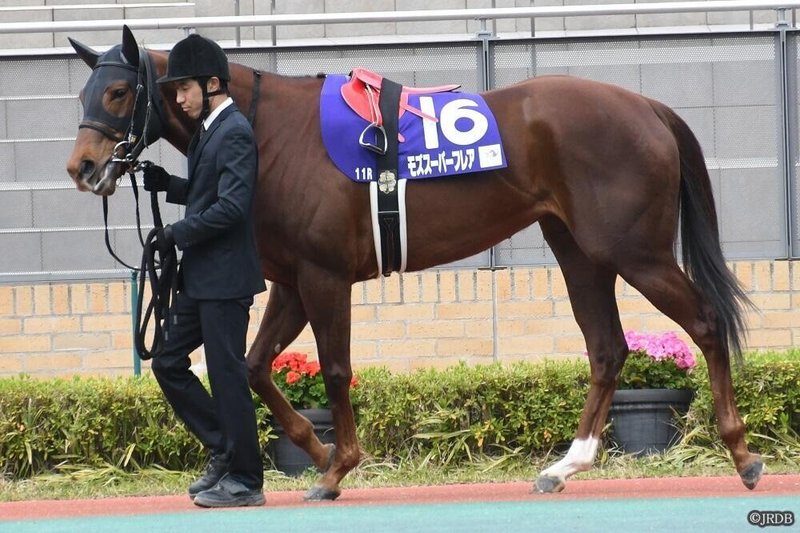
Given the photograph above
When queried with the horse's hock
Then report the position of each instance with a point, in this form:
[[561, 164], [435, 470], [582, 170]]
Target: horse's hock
[[432, 318]]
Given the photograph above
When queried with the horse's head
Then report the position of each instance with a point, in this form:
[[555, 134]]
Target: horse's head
[[120, 114]]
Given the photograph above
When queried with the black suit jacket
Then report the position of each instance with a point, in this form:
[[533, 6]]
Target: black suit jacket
[[216, 234]]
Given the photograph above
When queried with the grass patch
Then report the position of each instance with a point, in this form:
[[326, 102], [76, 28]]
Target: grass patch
[[683, 460]]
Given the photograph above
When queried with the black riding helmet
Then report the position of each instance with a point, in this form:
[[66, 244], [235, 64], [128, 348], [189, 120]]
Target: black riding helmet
[[199, 58], [196, 57]]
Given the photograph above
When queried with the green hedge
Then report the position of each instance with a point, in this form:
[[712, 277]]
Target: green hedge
[[479, 409], [447, 415]]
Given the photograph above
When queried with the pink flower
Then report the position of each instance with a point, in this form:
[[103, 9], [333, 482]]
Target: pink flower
[[661, 346]]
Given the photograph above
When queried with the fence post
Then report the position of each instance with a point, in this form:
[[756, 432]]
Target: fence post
[[785, 100], [137, 361]]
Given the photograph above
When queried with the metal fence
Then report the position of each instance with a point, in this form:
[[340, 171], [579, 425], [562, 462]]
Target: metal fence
[[736, 90]]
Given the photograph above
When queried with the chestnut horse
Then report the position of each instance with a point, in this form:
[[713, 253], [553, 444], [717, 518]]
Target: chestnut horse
[[604, 171]]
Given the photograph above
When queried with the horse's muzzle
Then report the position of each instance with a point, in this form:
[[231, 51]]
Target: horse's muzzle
[[109, 174]]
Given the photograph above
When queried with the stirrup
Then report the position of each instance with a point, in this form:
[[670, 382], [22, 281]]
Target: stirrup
[[380, 133]]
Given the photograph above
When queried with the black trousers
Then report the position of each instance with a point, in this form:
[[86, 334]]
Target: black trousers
[[225, 420]]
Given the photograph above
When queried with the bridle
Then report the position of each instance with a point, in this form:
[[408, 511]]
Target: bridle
[[145, 124]]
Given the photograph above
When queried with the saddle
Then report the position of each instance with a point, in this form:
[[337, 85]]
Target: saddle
[[362, 95]]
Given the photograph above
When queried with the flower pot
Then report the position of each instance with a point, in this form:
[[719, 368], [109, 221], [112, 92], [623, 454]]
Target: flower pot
[[292, 460], [643, 420]]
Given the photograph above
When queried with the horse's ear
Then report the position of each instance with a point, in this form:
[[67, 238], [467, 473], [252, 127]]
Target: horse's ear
[[130, 50], [88, 55]]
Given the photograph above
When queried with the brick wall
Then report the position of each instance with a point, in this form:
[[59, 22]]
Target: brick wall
[[425, 319]]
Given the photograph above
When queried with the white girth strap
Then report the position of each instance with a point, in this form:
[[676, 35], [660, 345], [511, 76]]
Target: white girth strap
[[376, 233]]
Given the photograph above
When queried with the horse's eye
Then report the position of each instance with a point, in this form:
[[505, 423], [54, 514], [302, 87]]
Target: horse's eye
[[119, 93]]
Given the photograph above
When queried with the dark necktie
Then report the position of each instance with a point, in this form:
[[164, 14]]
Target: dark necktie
[[198, 136]]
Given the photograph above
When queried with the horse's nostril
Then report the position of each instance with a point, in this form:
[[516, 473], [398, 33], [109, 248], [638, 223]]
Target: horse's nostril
[[87, 168]]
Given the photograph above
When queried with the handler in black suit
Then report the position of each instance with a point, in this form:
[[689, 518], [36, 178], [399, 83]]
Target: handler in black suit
[[219, 275]]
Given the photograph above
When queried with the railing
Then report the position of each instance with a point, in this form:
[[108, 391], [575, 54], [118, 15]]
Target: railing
[[81, 7], [482, 15]]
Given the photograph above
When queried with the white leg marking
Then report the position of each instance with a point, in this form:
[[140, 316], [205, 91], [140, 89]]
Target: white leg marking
[[580, 457]]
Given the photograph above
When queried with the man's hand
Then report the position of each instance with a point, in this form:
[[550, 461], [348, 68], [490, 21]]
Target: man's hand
[[165, 242], [155, 178]]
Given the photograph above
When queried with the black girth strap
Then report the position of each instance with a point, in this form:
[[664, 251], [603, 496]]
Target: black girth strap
[[388, 206], [251, 116]]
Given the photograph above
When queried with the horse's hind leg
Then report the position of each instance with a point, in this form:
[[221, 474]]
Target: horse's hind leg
[[591, 292], [659, 279], [283, 321]]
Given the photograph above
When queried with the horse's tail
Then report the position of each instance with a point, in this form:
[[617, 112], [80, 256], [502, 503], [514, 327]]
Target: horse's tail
[[702, 254]]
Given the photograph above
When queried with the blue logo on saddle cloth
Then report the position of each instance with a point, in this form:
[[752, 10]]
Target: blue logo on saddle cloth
[[465, 138]]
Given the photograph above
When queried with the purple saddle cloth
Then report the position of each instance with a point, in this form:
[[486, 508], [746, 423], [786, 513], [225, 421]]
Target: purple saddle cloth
[[465, 139]]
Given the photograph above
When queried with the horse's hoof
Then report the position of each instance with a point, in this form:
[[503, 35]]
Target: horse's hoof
[[752, 474], [318, 493], [548, 485]]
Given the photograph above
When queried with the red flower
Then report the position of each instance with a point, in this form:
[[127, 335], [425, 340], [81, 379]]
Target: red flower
[[312, 368], [292, 360], [300, 380]]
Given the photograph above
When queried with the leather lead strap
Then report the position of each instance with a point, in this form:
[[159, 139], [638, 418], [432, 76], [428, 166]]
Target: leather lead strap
[[388, 205]]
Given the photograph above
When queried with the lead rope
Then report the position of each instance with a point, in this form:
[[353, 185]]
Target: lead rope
[[162, 272], [163, 292]]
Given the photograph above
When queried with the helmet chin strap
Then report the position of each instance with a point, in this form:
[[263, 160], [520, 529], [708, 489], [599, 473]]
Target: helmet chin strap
[[206, 96]]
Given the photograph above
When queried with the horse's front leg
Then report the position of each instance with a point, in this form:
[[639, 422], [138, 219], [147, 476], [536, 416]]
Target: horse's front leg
[[326, 298], [283, 321]]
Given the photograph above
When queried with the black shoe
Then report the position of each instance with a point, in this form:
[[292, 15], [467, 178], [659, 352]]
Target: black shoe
[[230, 493], [217, 467]]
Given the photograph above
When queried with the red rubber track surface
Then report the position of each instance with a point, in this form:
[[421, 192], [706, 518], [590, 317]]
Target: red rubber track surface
[[671, 487]]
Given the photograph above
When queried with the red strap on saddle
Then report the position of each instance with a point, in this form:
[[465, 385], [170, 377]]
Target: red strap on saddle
[[362, 94]]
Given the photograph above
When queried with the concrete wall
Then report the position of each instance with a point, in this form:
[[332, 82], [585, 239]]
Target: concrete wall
[[426, 319]]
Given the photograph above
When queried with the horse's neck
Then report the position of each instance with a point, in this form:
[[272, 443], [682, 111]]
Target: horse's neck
[[281, 101], [278, 99]]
